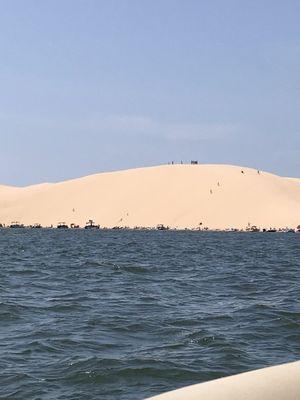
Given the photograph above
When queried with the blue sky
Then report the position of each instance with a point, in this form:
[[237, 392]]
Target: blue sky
[[90, 85]]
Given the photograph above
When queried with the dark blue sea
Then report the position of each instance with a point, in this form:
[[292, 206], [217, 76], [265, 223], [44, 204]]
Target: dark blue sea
[[129, 314]]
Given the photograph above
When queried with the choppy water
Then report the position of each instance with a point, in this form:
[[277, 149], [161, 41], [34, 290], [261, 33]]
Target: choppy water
[[125, 315]]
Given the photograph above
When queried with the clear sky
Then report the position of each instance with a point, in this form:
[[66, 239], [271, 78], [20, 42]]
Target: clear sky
[[97, 85]]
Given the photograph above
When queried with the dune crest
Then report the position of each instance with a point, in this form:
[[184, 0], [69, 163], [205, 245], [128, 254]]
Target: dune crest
[[180, 196]]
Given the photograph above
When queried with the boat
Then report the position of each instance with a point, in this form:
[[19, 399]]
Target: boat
[[277, 383], [254, 228], [91, 225], [37, 226], [74, 226], [161, 227], [16, 225], [62, 225]]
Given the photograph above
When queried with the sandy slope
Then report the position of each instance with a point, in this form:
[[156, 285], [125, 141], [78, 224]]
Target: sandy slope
[[218, 196]]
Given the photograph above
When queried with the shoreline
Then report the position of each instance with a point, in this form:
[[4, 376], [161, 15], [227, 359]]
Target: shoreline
[[166, 229], [192, 197]]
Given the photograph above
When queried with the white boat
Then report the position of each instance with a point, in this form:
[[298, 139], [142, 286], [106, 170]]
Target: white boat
[[274, 383]]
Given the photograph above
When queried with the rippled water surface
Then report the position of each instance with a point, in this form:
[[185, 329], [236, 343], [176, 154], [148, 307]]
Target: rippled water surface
[[129, 314]]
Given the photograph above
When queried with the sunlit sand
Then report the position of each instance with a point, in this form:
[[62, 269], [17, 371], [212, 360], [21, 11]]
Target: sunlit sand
[[178, 196]]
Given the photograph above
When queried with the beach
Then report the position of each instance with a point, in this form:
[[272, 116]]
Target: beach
[[177, 196]]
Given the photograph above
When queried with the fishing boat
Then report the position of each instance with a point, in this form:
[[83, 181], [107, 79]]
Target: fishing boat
[[161, 227], [37, 226], [16, 225], [62, 225], [74, 226], [91, 225]]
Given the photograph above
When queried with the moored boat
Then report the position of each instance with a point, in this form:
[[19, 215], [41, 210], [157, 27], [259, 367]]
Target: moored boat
[[62, 225], [161, 227], [74, 226], [91, 225], [37, 226], [16, 225]]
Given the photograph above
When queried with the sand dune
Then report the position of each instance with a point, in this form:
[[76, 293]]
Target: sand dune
[[180, 196]]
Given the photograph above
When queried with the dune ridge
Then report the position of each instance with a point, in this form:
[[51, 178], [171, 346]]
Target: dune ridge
[[178, 196]]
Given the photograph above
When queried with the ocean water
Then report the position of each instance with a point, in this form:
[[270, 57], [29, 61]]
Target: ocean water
[[129, 314]]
